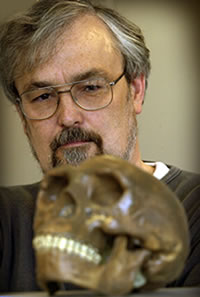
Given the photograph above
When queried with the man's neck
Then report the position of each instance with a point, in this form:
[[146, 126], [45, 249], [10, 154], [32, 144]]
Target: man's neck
[[148, 168], [138, 161]]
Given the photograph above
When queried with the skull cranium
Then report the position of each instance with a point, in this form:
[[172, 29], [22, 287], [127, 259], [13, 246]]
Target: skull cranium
[[108, 226]]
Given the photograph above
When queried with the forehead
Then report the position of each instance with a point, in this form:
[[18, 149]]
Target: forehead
[[89, 28], [88, 38], [84, 45]]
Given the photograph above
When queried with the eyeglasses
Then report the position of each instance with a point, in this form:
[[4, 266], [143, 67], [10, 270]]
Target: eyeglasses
[[91, 95]]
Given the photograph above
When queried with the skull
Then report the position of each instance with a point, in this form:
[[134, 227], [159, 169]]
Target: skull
[[108, 226]]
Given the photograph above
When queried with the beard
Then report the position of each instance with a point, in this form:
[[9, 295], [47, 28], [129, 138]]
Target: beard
[[74, 155]]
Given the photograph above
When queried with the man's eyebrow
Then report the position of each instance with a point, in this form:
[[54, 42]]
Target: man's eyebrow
[[90, 74], [33, 85], [93, 73]]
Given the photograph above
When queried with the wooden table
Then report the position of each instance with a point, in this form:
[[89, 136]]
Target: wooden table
[[171, 292]]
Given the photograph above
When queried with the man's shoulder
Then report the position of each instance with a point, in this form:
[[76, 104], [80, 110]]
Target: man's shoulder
[[14, 198], [182, 182], [186, 186], [17, 206], [19, 190]]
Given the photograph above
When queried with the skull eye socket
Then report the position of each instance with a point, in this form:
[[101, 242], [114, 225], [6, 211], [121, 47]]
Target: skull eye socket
[[54, 186], [107, 191]]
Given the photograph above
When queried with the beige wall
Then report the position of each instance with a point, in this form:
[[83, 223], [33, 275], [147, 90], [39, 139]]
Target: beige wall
[[169, 125]]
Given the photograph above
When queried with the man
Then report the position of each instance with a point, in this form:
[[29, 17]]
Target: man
[[77, 74]]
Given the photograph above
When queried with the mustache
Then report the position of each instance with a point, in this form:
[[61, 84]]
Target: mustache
[[75, 134]]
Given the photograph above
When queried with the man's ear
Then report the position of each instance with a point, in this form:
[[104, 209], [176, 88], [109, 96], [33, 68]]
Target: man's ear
[[22, 117], [138, 92]]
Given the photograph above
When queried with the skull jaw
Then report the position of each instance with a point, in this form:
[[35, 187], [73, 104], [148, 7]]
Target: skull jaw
[[58, 267]]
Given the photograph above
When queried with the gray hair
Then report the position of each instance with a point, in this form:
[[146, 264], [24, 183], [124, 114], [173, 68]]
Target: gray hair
[[28, 39]]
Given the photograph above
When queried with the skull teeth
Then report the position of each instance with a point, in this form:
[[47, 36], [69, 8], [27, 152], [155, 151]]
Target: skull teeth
[[68, 245]]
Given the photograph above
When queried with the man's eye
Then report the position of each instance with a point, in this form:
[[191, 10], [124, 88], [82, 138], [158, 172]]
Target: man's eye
[[92, 88], [41, 97]]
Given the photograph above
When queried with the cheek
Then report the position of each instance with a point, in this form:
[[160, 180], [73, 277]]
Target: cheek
[[113, 124], [40, 135], [121, 113]]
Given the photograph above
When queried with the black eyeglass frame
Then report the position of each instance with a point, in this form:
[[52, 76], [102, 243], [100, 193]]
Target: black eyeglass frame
[[113, 83]]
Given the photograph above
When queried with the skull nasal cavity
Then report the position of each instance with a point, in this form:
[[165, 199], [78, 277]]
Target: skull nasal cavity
[[107, 191], [69, 207]]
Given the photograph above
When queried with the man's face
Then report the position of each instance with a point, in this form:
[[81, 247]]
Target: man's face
[[72, 134]]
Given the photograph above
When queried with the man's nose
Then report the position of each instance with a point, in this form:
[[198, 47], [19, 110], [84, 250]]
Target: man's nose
[[69, 114]]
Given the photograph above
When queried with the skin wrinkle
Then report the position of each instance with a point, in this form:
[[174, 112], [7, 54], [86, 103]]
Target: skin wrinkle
[[34, 85]]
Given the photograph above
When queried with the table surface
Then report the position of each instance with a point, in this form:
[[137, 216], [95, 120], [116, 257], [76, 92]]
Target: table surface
[[171, 292]]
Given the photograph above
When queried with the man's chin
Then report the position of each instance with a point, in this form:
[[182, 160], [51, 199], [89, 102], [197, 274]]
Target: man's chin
[[74, 156]]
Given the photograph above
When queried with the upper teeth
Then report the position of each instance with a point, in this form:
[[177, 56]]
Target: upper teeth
[[68, 245]]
